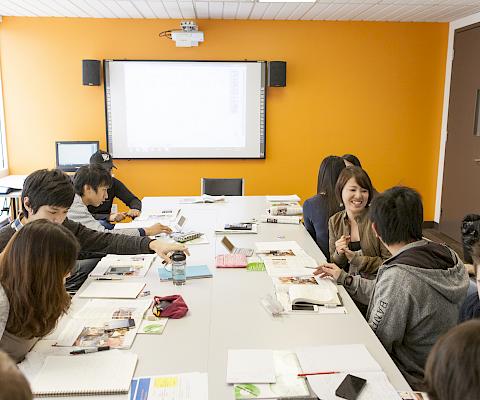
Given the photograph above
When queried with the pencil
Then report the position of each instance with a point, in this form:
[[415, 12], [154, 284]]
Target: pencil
[[318, 373]]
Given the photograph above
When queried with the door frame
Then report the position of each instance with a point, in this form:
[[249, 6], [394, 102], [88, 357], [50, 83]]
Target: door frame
[[453, 26]]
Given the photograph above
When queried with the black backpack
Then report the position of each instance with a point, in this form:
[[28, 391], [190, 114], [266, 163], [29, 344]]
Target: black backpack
[[470, 235]]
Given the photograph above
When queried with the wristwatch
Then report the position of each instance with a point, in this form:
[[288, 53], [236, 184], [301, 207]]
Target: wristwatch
[[348, 280]]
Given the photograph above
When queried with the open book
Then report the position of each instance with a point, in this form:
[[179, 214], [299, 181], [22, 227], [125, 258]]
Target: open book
[[324, 293]]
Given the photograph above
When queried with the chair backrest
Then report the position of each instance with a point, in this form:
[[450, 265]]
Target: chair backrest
[[222, 187]]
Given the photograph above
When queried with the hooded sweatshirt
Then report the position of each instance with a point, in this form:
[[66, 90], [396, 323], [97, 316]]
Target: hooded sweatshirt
[[415, 298]]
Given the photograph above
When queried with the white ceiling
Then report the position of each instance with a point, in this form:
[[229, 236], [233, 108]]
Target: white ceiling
[[333, 10]]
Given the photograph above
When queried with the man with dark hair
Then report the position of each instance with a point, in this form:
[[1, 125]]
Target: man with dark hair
[[117, 189], [48, 194], [91, 183], [418, 291]]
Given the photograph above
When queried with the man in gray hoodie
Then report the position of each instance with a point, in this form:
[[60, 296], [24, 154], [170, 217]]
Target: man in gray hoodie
[[417, 293]]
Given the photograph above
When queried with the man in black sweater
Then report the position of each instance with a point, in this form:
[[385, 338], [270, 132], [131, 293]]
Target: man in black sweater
[[104, 211], [48, 194]]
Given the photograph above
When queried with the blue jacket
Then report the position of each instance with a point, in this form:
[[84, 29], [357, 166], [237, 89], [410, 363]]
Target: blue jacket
[[315, 217]]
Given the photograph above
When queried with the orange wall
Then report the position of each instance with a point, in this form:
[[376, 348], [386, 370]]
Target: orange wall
[[372, 89]]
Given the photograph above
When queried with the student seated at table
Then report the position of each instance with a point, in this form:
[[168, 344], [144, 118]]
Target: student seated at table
[[103, 212], [452, 371], [319, 208], [13, 385], [471, 307], [49, 194], [418, 291], [91, 183], [351, 161], [352, 243], [33, 269]]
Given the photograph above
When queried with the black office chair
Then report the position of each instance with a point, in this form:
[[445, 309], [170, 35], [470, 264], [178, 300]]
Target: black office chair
[[222, 187]]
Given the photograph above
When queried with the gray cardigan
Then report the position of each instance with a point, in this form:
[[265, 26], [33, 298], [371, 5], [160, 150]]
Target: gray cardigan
[[14, 346], [415, 298]]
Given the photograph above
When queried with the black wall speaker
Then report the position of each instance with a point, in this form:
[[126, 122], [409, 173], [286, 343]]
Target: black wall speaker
[[91, 72], [277, 73]]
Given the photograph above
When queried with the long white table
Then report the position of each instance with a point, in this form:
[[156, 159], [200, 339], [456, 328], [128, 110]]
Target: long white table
[[225, 312]]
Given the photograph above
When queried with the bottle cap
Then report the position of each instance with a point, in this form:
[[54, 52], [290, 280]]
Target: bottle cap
[[178, 256]]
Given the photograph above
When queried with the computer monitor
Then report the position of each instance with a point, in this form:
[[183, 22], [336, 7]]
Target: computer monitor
[[72, 155]]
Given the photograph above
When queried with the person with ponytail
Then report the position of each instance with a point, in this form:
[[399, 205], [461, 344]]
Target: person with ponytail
[[33, 269], [319, 208]]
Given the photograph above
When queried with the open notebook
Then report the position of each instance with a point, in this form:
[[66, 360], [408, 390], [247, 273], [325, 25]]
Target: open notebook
[[107, 372]]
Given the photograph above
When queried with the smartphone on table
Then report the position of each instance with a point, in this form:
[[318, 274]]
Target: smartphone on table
[[350, 387]]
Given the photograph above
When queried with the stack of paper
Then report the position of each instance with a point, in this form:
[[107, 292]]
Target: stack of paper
[[113, 290], [344, 359], [285, 258], [191, 386], [88, 326], [295, 209], [255, 366], [288, 384], [110, 264], [205, 198], [221, 229], [283, 199]]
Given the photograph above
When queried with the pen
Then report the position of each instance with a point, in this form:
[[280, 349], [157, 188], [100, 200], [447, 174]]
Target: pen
[[109, 279], [90, 350], [318, 373]]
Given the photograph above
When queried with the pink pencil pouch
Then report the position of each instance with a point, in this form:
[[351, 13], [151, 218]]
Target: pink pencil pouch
[[231, 261]]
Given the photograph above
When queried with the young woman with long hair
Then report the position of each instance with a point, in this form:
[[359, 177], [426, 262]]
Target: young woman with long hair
[[319, 208], [352, 242], [33, 269]]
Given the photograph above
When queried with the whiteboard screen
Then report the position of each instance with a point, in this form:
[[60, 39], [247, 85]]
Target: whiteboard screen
[[185, 109]]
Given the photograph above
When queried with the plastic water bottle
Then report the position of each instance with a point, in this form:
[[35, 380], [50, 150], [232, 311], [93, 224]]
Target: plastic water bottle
[[179, 262]]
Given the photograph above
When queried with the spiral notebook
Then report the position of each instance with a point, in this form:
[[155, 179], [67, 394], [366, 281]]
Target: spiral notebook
[[108, 372]]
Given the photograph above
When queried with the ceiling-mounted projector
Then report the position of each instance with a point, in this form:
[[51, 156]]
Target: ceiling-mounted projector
[[188, 36]]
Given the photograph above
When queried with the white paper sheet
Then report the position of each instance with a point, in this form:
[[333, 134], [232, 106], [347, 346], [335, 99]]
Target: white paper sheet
[[189, 386], [339, 358], [250, 366], [113, 290], [377, 387]]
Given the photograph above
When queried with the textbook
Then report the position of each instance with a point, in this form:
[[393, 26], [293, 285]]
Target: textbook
[[229, 231], [193, 272], [107, 372], [286, 210], [324, 293], [281, 219]]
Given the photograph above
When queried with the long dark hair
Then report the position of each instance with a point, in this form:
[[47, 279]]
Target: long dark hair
[[452, 371], [352, 159], [328, 174], [32, 271]]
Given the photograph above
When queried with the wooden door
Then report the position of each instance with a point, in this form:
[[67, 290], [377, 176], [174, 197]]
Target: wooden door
[[461, 178]]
